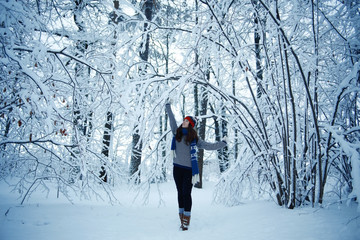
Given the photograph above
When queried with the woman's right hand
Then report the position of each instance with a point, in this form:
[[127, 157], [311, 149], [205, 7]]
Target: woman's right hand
[[168, 101]]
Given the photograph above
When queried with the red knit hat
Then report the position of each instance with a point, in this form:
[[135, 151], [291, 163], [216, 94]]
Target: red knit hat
[[191, 120]]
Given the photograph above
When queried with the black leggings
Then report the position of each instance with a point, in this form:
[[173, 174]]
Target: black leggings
[[182, 177]]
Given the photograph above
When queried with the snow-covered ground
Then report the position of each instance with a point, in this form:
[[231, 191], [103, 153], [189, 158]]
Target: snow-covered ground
[[52, 218]]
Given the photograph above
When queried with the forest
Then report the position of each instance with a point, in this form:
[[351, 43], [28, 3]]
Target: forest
[[84, 85]]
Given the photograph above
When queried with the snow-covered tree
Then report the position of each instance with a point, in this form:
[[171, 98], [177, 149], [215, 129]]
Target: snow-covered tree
[[84, 84]]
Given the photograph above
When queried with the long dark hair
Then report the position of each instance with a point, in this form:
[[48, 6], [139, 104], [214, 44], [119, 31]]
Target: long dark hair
[[192, 134]]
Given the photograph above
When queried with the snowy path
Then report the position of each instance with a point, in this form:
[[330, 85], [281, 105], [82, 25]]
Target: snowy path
[[56, 219]]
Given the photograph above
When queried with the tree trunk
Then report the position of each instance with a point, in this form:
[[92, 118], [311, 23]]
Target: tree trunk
[[257, 38], [223, 154], [201, 110], [106, 144], [144, 55]]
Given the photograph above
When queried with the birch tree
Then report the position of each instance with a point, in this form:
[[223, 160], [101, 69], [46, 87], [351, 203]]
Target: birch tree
[[144, 56]]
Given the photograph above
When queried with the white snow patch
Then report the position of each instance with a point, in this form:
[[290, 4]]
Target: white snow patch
[[54, 219]]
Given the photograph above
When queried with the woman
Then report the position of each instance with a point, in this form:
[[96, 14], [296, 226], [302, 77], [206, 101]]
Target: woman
[[186, 172]]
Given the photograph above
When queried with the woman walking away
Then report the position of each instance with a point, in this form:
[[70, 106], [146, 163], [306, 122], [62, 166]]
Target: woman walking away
[[186, 171]]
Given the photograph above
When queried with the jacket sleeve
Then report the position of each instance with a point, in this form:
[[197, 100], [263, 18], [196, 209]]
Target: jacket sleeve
[[210, 146], [172, 120]]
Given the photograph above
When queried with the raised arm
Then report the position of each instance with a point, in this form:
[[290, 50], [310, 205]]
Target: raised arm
[[172, 120], [210, 146]]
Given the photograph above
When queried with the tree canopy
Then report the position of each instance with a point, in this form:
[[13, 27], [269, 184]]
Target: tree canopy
[[84, 85]]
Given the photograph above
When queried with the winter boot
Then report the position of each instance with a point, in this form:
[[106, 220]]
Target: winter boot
[[181, 215], [186, 223]]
